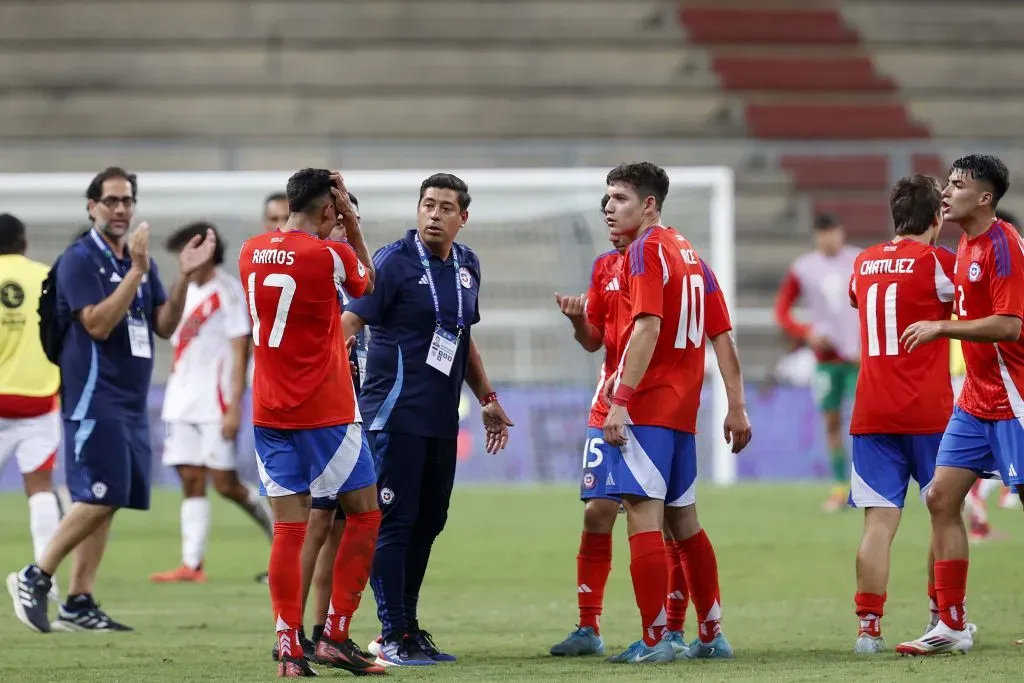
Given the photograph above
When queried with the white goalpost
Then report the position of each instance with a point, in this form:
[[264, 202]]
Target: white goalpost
[[536, 230]]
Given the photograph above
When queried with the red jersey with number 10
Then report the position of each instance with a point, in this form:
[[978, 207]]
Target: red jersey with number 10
[[603, 302], [989, 280], [301, 378], [893, 285], [663, 276]]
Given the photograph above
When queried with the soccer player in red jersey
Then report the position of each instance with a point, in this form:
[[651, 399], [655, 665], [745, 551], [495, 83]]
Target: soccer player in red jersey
[[597, 319], [984, 435], [896, 434], [673, 302], [308, 438]]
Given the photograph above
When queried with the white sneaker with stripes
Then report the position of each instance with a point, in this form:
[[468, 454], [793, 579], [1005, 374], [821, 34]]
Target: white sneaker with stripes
[[940, 640]]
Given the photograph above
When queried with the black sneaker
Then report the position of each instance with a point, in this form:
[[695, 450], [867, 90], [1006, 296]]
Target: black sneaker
[[28, 589], [83, 614], [347, 656], [426, 643], [308, 647], [264, 578], [295, 667]]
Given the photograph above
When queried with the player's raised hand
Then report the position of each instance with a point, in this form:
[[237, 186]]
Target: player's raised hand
[[138, 247], [615, 426], [197, 254], [342, 202], [496, 424], [920, 333], [737, 428], [572, 307]]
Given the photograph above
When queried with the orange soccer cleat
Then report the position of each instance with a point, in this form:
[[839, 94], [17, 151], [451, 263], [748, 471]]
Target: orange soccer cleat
[[182, 574]]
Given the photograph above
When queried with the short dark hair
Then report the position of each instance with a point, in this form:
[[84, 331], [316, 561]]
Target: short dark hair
[[604, 202], [1007, 216], [352, 198], [447, 181], [275, 197], [12, 235], [914, 201], [825, 221], [646, 178], [987, 169], [183, 235], [306, 187], [95, 189]]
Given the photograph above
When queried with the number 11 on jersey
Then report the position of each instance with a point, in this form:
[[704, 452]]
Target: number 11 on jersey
[[287, 286], [889, 327]]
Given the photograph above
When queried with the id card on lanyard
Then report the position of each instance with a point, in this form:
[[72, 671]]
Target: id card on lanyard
[[138, 329], [444, 345]]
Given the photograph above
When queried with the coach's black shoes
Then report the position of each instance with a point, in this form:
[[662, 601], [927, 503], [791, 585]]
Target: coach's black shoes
[[308, 647], [347, 656], [81, 613], [28, 589], [426, 643]]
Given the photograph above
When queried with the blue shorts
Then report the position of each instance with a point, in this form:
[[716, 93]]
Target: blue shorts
[[883, 465], [988, 447], [598, 459], [109, 461], [657, 462], [322, 462]]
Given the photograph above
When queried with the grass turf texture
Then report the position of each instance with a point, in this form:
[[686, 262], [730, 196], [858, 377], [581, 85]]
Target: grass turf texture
[[500, 592]]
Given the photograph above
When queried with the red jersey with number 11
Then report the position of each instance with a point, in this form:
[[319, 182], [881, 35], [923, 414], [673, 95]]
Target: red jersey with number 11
[[663, 276], [893, 285], [301, 378]]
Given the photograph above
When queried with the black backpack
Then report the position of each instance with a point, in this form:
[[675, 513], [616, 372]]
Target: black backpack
[[51, 330]]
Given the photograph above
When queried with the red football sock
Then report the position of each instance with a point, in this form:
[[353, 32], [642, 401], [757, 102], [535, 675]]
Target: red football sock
[[351, 571], [650, 582], [678, 599], [593, 564], [701, 569], [870, 609], [950, 590], [285, 577]]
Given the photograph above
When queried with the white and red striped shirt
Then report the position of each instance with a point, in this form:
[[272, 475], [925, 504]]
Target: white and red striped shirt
[[198, 387]]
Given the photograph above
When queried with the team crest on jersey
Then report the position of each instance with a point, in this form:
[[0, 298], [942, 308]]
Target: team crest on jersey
[[589, 480], [99, 489], [387, 496], [361, 269], [974, 272], [466, 278]]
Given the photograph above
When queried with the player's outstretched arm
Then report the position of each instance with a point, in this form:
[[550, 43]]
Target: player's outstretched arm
[[496, 422], [642, 341], [351, 324], [575, 309], [994, 328], [737, 423]]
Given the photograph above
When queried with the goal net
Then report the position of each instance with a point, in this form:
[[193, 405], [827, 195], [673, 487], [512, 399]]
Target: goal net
[[536, 231]]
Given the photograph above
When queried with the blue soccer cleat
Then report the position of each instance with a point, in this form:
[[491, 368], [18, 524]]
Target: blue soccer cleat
[[719, 648], [430, 648], [404, 652], [582, 641], [678, 641], [642, 653]]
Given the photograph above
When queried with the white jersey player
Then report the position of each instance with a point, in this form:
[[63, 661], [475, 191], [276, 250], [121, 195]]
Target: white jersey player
[[203, 403]]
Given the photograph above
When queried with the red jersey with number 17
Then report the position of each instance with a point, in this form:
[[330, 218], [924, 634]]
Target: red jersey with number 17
[[603, 302], [893, 285], [989, 280], [663, 276], [301, 378]]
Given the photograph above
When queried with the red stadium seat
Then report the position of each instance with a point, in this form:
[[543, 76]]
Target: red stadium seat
[[789, 25], [832, 121]]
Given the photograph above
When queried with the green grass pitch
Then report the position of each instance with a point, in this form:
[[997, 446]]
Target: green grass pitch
[[500, 592]]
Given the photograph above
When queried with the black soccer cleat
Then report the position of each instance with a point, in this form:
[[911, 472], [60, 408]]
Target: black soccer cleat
[[29, 591], [86, 616], [347, 656], [295, 667]]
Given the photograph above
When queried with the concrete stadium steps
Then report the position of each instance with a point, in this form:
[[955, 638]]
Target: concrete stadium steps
[[944, 23], [937, 69], [337, 21], [998, 116], [156, 115], [354, 70]]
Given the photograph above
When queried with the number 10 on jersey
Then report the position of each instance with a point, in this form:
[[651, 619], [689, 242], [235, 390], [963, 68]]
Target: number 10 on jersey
[[287, 286]]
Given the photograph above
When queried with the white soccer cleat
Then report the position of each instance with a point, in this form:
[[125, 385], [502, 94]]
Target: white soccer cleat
[[374, 647], [868, 645], [940, 640]]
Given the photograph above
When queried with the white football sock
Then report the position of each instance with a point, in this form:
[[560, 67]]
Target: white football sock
[[43, 518], [195, 525]]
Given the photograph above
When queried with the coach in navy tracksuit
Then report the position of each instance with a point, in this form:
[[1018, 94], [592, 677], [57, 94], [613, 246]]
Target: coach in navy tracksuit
[[425, 299]]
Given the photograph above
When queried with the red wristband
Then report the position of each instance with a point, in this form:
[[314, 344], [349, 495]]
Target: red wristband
[[622, 395], [489, 398]]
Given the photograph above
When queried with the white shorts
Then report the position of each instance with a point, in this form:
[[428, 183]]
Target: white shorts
[[32, 440], [198, 445]]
